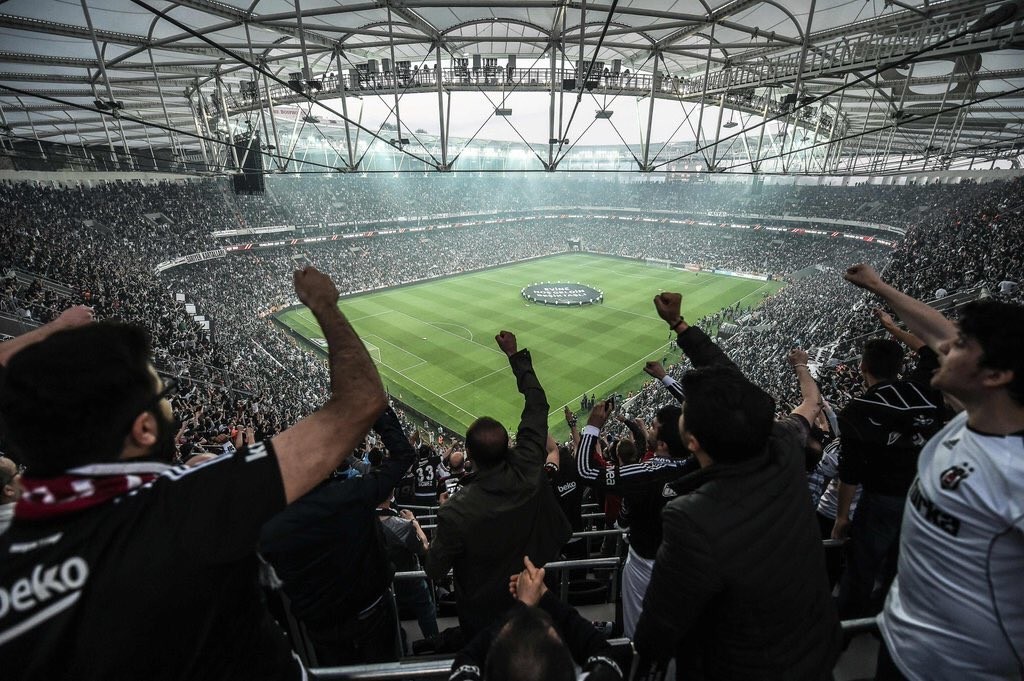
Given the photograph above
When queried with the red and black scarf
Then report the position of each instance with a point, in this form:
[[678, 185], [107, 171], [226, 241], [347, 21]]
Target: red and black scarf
[[82, 488]]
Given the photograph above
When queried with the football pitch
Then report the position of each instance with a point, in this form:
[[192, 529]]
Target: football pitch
[[433, 342]]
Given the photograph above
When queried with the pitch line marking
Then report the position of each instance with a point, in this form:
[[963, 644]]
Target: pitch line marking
[[629, 367], [384, 340], [635, 314], [759, 288], [441, 397], [368, 316], [498, 281], [402, 373], [466, 385], [485, 347], [306, 314], [470, 339]]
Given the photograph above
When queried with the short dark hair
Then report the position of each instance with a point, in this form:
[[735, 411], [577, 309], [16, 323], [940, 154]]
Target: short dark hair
[[487, 442], [668, 432], [625, 451], [882, 358], [998, 328], [731, 417], [525, 650], [70, 399]]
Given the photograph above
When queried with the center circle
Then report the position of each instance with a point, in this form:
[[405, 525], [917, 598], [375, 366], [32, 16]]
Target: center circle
[[562, 293]]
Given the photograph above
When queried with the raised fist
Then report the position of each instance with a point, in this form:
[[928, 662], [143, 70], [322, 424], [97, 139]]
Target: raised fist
[[668, 305], [507, 342], [883, 317], [655, 369], [797, 357], [864, 276], [315, 289], [76, 316]]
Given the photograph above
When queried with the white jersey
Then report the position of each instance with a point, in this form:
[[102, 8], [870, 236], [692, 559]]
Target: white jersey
[[956, 609], [6, 516], [828, 504]]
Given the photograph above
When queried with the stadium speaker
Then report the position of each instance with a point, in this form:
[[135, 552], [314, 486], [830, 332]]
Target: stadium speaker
[[248, 183], [250, 180]]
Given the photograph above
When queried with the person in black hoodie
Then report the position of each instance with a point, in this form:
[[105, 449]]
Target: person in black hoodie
[[739, 588], [328, 549]]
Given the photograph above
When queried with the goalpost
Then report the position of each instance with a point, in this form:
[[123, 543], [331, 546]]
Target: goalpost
[[370, 348], [658, 262], [373, 350]]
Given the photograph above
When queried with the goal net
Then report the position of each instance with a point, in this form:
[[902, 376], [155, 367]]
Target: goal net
[[373, 350]]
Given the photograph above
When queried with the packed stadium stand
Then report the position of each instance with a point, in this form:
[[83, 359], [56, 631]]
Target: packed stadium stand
[[253, 423]]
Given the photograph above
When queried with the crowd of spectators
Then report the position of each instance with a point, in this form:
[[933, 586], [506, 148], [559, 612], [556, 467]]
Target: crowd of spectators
[[245, 380], [312, 200], [28, 300], [242, 287], [102, 240]]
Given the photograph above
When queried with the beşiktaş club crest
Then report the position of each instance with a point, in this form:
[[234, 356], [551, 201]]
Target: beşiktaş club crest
[[954, 475]]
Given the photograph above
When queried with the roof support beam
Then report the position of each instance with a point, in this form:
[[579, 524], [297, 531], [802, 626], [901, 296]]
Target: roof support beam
[[239, 16], [103, 72], [416, 21], [72, 31]]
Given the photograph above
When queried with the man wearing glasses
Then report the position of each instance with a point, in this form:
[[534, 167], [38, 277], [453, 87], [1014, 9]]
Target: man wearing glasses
[[10, 490], [118, 566]]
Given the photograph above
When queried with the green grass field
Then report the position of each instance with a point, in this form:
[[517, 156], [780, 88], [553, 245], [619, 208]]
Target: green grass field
[[434, 342]]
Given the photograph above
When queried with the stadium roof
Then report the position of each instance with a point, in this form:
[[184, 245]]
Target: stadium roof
[[844, 85]]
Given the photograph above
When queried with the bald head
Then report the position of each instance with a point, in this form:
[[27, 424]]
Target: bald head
[[10, 481], [456, 460]]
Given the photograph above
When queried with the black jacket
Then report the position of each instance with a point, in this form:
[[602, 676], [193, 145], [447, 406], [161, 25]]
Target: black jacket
[[883, 431], [328, 547], [507, 512], [739, 589]]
